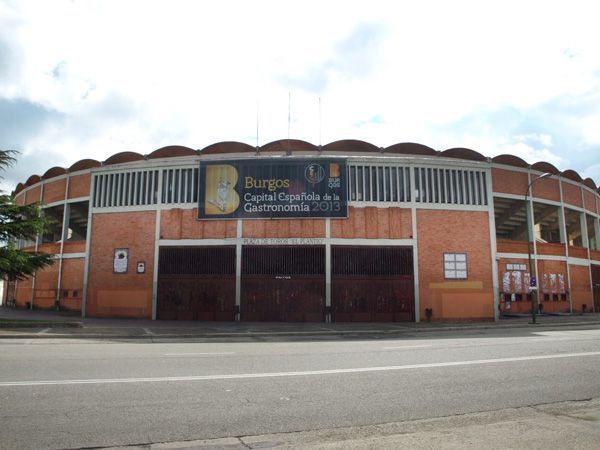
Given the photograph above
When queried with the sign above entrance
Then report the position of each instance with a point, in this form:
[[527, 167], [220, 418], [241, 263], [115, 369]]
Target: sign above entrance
[[281, 188]]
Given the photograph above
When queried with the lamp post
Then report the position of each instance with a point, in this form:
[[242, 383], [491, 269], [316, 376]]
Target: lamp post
[[532, 291]]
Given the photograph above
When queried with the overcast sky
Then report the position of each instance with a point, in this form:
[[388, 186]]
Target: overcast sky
[[87, 79]]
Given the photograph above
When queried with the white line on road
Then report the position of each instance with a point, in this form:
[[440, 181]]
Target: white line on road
[[294, 374], [44, 331], [408, 346], [199, 354]]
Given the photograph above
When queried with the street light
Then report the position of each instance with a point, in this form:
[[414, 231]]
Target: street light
[[532, 291]]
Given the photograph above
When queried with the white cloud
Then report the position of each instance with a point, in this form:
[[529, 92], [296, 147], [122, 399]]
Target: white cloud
[[138, 75]]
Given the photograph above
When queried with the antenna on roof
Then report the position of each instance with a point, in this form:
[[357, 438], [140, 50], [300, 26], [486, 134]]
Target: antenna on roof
[[257, 125], [319, 121], [289, 120]]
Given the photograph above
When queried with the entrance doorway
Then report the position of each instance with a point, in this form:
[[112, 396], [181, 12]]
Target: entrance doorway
[[372, 284], [196, 283], [283, 283]]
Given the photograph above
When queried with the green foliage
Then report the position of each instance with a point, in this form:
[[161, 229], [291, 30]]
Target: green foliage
[[19, 222], [17, 264]]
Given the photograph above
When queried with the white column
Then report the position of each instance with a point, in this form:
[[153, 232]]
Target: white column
[[65, 232], [156, 243], [37, 242], [563, 224], [413, 210], [493, 244], [531, 232], [238, 269], [88, 243], [328, 269]]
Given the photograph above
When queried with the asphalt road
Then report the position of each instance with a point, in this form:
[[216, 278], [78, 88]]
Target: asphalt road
[[72, 394]]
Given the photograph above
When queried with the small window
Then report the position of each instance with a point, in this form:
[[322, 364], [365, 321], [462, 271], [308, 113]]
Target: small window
[[518, 267], [455, 266]]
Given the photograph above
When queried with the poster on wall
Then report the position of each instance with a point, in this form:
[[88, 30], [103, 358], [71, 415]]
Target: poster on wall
[[120, 260], [278, 188]]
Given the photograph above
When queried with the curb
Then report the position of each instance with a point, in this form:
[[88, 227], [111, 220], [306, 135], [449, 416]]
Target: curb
[[258, 334]]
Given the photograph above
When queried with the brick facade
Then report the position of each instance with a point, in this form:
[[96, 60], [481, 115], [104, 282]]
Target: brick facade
[[439, 231]]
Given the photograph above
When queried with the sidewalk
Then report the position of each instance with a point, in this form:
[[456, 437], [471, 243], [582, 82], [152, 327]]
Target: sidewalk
[[551, 426], [73, 326]]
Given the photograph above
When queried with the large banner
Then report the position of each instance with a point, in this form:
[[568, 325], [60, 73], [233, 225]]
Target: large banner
[[273, 188]]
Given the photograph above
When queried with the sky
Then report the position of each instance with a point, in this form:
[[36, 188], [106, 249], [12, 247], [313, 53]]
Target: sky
[[88, 79]]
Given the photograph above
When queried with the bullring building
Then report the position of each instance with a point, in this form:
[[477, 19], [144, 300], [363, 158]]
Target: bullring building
[[290, 231]]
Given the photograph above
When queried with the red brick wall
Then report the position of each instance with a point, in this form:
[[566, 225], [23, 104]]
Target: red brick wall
[[547, 188], [374, 223], [578, 252], [79, 185], [508, 246], [589, 200], [283, 228], [509, 182], [33, 195], [571, 194], [74, 247], [121, 295], [72, 282], [183, 224], [23, 292], [550, 249], [54, 191], [547, 268], [46, 283], [580, 287], [20, 198], [460, 232]]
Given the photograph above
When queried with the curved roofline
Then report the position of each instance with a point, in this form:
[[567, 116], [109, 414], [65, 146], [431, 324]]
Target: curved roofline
[[351, 145], [546, 167], [572, 175], [590, 183], [55, 171], [172, 151], [32, 180], [123, 157], [227, 147], [410, 148], [463, 153], [510, 160], [83, 164], [285, 145]]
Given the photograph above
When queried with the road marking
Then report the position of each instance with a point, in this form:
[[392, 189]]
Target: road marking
[[44, 331], [199, 354], [295, 374], [148, 332], [408, 346]]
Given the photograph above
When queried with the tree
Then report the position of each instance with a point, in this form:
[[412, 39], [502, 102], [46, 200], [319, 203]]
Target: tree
[[19, 222]]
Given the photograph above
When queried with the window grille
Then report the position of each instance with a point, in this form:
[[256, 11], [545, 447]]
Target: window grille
[[374, 183], [450, 186], [455, 266], [180, 186], [137, 188]]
